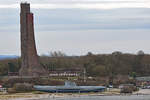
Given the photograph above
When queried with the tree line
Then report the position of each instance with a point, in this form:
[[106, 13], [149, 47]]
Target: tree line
[[96, 65]]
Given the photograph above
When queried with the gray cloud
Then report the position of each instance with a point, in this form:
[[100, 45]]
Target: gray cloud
[[78, 4], [77, 31], [71, 1], [97, 41], [92, 19]]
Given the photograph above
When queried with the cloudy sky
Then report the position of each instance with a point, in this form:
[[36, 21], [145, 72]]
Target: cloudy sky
[[79, 26]]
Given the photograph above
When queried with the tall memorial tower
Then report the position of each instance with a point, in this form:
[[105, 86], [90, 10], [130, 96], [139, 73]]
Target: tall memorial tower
[[30, 65]]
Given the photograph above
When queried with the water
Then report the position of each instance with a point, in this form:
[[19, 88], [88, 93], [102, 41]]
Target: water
[[128, 97]]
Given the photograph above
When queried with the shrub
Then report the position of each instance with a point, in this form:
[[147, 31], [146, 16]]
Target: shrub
[[23, 87], [11, 90], [135, 88], [126, 90]]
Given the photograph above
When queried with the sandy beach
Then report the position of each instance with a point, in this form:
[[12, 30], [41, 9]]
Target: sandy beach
[[34, 96], [143, 92]]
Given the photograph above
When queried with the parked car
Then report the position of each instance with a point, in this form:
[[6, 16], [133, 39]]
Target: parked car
[[146, 87]]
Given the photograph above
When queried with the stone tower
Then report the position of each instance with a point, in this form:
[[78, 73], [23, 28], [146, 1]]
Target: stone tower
[[30, 65]]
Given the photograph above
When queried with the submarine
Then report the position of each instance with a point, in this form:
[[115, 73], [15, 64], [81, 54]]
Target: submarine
[[69, 87]]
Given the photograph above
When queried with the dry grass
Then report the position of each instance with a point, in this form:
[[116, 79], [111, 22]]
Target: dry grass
[[17, 95]]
